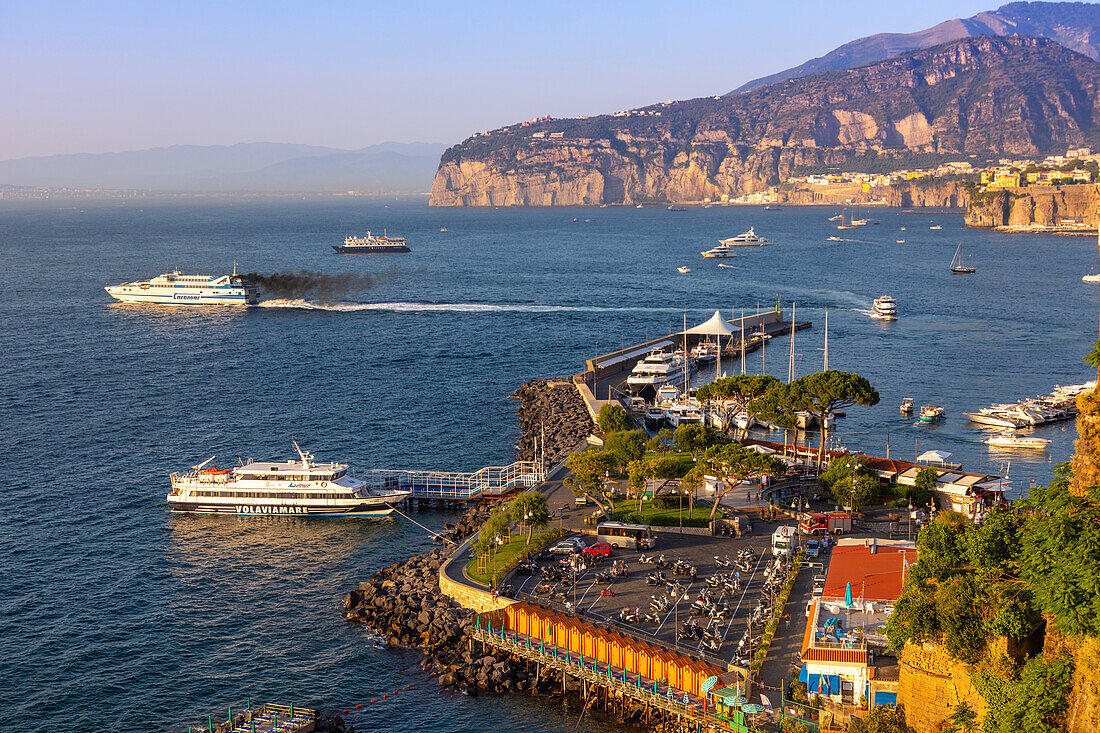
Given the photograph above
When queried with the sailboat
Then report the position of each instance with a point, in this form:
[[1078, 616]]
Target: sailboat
[[957, 265], [845, 222]]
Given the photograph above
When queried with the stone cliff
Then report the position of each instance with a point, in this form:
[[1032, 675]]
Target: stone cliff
[[1036, 206], [982, 95]]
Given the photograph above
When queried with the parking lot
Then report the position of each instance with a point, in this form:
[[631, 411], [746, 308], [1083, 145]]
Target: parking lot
[[720, 632]]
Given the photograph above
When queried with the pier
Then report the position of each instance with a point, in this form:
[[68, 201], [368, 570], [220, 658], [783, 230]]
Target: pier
[[604, 374], [441, 488], [711, 704]]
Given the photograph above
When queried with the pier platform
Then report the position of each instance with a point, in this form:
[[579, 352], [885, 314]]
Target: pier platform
[[449, 487]]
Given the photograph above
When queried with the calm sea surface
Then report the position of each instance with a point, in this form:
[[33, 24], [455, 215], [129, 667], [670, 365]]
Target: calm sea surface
[[120, 615]]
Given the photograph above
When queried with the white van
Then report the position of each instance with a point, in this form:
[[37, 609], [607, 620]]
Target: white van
[[784, 541]]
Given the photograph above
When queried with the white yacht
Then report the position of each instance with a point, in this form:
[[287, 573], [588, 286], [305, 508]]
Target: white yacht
[[885, 309], [656, 369], [1008, 440], [705, 352], [175, 288], [996, 417], [746, 239], [300, 488]]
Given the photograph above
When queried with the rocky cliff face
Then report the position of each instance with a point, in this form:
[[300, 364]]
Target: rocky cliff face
[[1035, 206], [1014, 95]]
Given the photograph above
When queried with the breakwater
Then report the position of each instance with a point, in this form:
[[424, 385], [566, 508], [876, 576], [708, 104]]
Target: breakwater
[[551, 410]]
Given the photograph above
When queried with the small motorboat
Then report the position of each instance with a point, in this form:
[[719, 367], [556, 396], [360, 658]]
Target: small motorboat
[[1091, 278], [900, 241], [443, 229], [834, 238], [935, 226], [931, 413], [907, 406], [1008, 440], [723, 264], [683, 269]]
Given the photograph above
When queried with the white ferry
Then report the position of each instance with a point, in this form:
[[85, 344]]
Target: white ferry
[[371, 244], [175, 288], [289, 487], [885, 309]]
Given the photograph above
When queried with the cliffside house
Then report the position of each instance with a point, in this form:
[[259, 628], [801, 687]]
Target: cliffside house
[[844, 638]]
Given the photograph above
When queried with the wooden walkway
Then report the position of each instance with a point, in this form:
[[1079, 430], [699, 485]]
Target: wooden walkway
[[689, 708]]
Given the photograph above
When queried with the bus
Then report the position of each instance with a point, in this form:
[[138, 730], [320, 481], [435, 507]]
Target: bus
[[617, 534]]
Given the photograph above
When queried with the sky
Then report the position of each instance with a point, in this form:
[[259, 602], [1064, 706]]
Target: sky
[[106, 76]]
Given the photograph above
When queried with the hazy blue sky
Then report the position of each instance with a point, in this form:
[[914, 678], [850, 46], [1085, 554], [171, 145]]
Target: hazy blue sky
[[109, 76]]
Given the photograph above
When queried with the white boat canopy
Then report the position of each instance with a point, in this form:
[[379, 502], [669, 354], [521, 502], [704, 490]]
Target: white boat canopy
[[714, 326], [934, 456], [762, 449]]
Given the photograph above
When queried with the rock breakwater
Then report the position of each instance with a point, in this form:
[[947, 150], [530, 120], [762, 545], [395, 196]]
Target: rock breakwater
[[551, 407]]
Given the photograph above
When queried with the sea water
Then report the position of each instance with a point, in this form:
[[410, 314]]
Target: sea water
[[120, 615]]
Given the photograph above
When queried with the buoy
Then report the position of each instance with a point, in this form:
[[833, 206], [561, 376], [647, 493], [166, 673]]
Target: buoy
[[359, 706], [374, 701], [346, 711], [385, 696]]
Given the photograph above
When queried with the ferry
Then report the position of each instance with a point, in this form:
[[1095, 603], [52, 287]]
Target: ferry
[[299, 488], [175, 288], [885, 309], [371, 244]]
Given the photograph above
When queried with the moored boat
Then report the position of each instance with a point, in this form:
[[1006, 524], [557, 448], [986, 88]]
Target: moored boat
[[1008, 440], [299, 488], [907, 406]]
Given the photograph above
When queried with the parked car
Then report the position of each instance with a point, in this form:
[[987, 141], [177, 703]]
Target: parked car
[[598, 549], [568, 546], [819, 586], [813, 548]]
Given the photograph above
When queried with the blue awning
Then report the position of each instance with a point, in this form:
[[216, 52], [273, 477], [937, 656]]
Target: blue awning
[[819, 684], [885, 698]]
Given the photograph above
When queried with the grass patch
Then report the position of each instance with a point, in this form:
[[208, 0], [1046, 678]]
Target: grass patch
[[507, 556], [627, 511]]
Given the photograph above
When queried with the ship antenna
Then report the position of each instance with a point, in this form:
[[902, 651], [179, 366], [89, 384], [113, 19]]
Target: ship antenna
[[304, 455]]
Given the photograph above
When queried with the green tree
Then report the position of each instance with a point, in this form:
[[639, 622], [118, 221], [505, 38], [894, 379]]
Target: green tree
[[924, 485], [963, 719], [613, 419], [587, 469], [841, 477], [531, 510], [735, 394], [733, 463], [625, 446], [880, 719], [691, 438], [492, 532], [819, 394]]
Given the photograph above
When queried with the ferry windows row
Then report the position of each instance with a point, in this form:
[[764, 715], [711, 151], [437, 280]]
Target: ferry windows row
[[270, 495]]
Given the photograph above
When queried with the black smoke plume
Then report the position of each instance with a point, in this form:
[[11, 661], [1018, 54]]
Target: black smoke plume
[[320, 286]]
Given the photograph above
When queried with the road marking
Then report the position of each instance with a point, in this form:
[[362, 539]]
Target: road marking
[[745, 590], [674, 607]]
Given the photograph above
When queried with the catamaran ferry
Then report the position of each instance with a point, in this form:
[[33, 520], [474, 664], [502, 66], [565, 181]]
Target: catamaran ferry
[[289, 487], [175, 288]]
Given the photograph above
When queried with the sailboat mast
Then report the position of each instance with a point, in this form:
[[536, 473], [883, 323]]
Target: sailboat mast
[[790, 359], [685, 353], [742, 340]]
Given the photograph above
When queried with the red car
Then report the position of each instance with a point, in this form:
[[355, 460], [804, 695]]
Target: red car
[[599, 549]]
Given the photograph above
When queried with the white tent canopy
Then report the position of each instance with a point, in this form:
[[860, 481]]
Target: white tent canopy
[[714, 326], [934, 456]]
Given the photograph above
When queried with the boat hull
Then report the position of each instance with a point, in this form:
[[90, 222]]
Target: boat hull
[[133, 294], [345, 249], [994, 420], [261, 510]]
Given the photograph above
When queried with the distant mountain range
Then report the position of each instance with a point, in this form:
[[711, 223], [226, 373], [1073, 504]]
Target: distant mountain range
[[1073, 25], [259, 167], [983, 95]]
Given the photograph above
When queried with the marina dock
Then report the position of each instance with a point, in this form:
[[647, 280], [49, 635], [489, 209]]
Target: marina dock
[[443, 488], [267, 718], [605, 374]]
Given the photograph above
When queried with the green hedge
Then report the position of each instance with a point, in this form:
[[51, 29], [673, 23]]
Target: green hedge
[[777, 613]]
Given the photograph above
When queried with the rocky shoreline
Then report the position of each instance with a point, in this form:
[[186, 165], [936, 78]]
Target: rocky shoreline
[[553, 406], [403, 603]]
